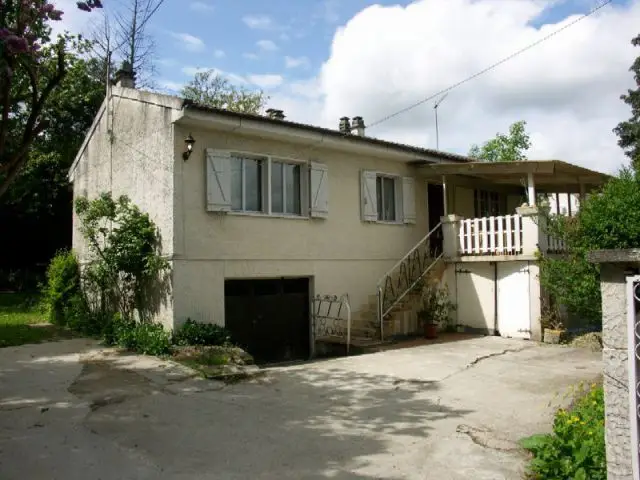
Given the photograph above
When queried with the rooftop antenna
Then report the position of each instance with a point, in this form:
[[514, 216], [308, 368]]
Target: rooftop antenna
[[435, 109]]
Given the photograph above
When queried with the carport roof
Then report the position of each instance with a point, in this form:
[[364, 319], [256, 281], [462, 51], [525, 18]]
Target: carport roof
[[550, 175]]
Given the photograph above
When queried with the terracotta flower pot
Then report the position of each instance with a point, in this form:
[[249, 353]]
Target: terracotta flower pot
[[430, 330]]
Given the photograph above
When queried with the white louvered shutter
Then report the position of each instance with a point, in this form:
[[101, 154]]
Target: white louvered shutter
[[218, 180], [408, 200], [319, 190], [368, 197]]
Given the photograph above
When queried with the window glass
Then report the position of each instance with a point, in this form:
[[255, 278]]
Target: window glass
[[253, 185], [389, 195], [236, 184], [379, 198], [277, 191], [292, 188]]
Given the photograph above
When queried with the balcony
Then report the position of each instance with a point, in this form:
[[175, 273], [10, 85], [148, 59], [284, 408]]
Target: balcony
[[509, 237]]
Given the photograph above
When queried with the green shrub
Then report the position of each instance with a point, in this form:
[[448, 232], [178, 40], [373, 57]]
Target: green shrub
[[194, 333], [146, 338], [62, 288], [576, 449]]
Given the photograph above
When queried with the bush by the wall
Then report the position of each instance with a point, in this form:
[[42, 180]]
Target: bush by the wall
[[146, 338], [62, 287], [576, 449], [194, 333]]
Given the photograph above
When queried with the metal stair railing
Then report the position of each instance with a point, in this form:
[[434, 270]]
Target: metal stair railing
[[394, 285]]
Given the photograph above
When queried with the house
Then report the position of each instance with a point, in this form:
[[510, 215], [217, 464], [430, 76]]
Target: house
[[264, 221]]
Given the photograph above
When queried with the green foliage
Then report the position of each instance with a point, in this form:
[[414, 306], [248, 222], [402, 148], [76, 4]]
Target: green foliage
[[607, 219], [144, 338], [39, 202], [576, 448], [194, 333], [126, 273], [62, 288], [213, 90], [436, 306], [629, 131], [504, 148]]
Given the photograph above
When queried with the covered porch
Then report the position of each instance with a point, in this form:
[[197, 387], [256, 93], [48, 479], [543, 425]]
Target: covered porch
[[492, 209]]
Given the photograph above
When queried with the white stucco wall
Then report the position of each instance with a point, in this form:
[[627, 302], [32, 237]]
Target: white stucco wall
[[135, 160], [342, 253]]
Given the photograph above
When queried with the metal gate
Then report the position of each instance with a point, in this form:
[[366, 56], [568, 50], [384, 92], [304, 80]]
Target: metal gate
[[633, 325], [332, 318]]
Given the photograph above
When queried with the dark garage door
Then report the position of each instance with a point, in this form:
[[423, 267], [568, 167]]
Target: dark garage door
[[269, 318]]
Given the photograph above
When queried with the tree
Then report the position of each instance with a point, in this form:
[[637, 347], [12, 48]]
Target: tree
[[504, 148], [39, 203], [26, 80], [629, 131], [213, 90], [125, 36]]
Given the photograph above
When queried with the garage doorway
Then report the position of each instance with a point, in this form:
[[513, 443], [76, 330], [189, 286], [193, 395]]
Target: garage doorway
[[269, 318]]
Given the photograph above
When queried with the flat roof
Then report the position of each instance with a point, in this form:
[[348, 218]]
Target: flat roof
[[547, 174]]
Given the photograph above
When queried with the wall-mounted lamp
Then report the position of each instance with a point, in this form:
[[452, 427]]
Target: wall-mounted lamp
[[189, 141]]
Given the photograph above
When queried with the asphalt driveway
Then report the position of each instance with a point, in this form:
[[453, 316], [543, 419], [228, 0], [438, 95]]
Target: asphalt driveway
[[451, 411]]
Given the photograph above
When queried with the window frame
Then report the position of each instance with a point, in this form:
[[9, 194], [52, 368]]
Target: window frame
[[396, 179], [266, 185], [499, 201]]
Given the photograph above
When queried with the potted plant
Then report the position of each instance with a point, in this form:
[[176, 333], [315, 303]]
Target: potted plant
[[435, 310], [551, 320]]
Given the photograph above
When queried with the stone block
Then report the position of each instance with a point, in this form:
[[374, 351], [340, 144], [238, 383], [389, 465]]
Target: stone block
[[614, 307]]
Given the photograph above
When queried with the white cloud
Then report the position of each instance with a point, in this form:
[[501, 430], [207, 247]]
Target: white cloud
[[170, 86], [250, 56], [266, 81], [567, 88], [266, 45], [201, 7], [232, 77], [219, 53], [189, 42], [295, 62], [258, 22]]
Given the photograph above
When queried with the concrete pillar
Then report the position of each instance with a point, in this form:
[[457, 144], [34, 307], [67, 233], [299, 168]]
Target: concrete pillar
[[450, 239], [534, 238], [531, 189], [616, 377]]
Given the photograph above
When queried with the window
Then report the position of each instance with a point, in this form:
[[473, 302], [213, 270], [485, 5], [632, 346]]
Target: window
[[246, 184], [386, 198], [285, 188], [487, 204]]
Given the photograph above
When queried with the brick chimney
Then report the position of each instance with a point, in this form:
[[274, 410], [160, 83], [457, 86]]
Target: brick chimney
[[275, 114], [125, 77], [345, 126], [357, 124]]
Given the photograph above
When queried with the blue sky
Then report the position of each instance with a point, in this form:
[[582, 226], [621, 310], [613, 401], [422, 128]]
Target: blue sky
[[285, 38]]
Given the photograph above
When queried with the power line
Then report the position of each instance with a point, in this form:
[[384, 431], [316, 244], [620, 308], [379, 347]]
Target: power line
[[491, 67]]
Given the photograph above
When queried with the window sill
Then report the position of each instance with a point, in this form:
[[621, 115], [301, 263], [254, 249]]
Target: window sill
[[387, 222], [267, 215]]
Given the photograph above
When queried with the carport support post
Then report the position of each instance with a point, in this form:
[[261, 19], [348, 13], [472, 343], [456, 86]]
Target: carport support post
[[444, 195], [450, 240], [531, 190]]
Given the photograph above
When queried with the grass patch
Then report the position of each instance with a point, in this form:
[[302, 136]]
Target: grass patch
[[22, 321]]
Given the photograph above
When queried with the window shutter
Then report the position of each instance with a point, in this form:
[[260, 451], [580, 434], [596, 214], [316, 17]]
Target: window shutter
[[319, 189], [368, 197], [218, 180], [408, 200]]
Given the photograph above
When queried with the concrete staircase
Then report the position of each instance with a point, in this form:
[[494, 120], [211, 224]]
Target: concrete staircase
[[402, 319]]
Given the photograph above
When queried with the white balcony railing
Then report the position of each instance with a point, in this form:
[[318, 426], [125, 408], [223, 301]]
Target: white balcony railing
[[491, 235]]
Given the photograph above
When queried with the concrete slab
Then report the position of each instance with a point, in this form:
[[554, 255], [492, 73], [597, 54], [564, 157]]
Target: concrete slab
[[450, 411]]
